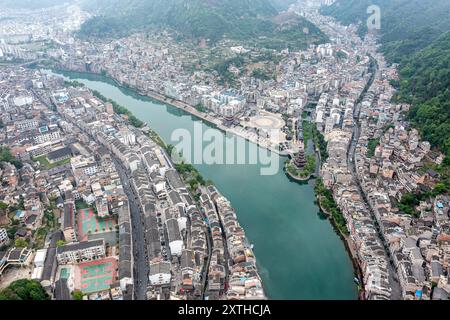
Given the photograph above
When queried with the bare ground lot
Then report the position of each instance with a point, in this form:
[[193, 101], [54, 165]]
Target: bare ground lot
[[12, 274]]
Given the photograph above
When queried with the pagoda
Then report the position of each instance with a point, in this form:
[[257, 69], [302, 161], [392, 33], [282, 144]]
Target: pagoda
[[300, 159]]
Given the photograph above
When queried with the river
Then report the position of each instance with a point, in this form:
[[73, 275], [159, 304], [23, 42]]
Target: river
[[299, 254]]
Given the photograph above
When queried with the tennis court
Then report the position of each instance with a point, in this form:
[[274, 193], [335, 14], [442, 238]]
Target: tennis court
[[97, 275]]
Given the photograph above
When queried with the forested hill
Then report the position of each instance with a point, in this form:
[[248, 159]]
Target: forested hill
[[426, 83], [406, 25], [281, 5], [31, 4], [211, 19], [416, 34]]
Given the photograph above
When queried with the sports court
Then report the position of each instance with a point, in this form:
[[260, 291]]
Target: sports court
[[88, 223], [65, 273], [96, 276]]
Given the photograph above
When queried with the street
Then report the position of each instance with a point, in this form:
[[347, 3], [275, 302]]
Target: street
[[141, 266], [396, 293]]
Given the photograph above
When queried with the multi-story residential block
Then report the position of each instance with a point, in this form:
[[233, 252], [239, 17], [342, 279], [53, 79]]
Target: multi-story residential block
[[4, 239], [81, 252]]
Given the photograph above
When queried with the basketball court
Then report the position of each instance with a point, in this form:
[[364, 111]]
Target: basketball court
[[96, 276], [88, 223]]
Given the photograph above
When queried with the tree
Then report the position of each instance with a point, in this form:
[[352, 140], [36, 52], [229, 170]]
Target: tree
[[12, 231], [170, 149], [8, 294], [77, 295], [60, 243], [21, 243], [373, 144], [261, 74], [3, 206], [24, 289], [440, 188], [6, 156], [3, 209]]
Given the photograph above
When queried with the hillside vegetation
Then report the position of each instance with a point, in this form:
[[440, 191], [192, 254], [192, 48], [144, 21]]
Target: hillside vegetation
[[213, 19], [281, 5], [31, 4], [24, 289], [426, 84], [415, 34], [406, 25]]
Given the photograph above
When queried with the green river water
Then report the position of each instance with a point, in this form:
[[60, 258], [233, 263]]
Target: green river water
[[299, 254]]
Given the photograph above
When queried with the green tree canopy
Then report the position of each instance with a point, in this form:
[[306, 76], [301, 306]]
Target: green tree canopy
[[77, 295], [6, 156], [24, 289], [21, 243]]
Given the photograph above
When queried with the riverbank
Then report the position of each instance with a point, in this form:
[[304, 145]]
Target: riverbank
[[215, 122], [345, 238], [349, 246], [303, 257]]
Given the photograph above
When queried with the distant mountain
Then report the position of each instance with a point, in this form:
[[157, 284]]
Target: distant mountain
[[282, 4], [31, 4], [426, 84], [416, 34], [406, 25], [209, 19]]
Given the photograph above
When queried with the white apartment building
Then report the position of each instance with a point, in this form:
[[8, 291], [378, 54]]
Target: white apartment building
[[225, 104], [47, 136], [160, 273], [126, 137], [83, 165], [27, 124], [23, 101], [176, 243], [44, 148], [4, 240], [81, 252]]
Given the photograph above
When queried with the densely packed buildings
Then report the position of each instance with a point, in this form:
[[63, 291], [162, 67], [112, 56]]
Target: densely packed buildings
[[101, 178], [75, 179], [376, 158]]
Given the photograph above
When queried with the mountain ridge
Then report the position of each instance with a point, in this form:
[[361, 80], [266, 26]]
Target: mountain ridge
[[415, 34], [211, 19], [31, 4]]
